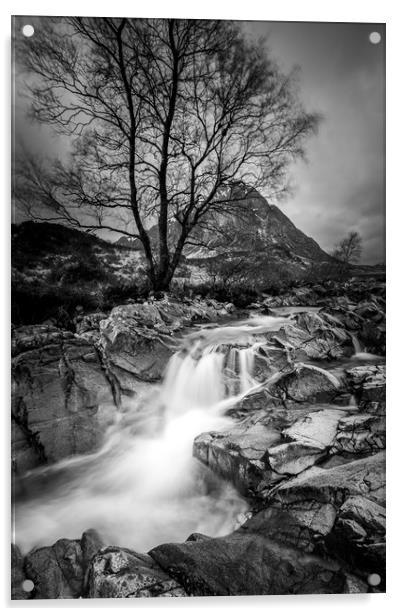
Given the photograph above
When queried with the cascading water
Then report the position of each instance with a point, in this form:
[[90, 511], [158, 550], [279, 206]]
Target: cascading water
[[144, 487]]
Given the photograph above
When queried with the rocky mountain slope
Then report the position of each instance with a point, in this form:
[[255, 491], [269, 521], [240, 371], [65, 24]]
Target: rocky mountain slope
[[248, 228]]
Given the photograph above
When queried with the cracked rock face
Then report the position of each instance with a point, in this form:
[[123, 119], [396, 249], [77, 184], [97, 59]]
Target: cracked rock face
[[62, 402], [368, 385]]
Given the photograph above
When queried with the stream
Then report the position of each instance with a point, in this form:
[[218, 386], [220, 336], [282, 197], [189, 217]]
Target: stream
[[143, 487]]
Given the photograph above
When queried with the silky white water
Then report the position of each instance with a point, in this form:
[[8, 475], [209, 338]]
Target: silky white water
[[144, 487]]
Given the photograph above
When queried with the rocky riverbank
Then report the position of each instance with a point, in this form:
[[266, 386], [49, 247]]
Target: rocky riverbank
[[307, 448]]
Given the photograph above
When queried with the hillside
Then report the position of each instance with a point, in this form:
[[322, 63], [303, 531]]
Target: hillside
[[56, 269]]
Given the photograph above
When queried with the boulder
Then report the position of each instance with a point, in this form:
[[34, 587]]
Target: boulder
[[362, 477], [361, 434], [121, 573], [367, 384], [63, 399], [239, 455], [304, 383], [338, 511], [57, 571], [245, 563]]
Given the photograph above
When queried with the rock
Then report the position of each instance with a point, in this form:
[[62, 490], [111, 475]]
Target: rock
[[314, 335], [367, 383], [120, 573], [358, 532], [87, 326], [29, 337], [17, 574], [293, 458], [62, 401], [247, 564], [269, 444], [317, 429], [239, 455], [57, 571], [363, 477], [360, 434], [91, 543], [136, 338], [305, 383], [354, 585], [197, 537], [340, 510], [283, 526]]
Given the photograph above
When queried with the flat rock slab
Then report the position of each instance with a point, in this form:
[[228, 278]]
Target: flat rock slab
[[316, 429]]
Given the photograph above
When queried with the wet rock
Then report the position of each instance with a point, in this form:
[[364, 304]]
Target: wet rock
[[120, 573], [360, 434], [328, 505], [57, 571], [247, 564], [314, 335], [367, 383], [29, 337], [270, 444], [362, 477], [358, 535], [17, 574], [354, 585], [62, 401], [239, 455], [316, 429], [293, 458], [197, 537], [305, 383], [91, 543], [373, 338]]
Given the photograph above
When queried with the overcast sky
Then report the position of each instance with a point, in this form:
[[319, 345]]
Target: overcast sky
[[342, 186]]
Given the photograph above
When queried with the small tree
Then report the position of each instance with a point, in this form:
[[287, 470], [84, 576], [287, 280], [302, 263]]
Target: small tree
[[349, 249], [163, 116]]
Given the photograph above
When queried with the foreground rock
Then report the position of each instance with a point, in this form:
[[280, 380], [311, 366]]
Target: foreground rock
[[59, 571], [247, 564], [62, 401], [340, 510], [121, 573], [368, 386]]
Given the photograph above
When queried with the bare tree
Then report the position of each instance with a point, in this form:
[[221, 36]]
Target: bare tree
[[163, 116], [349, 249]]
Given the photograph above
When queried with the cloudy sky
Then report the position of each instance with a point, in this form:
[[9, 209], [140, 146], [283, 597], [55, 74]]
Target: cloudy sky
[[342, 76], [342, 187]]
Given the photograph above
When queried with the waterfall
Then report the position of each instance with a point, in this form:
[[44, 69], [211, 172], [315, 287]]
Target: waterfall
[[143, 487], [356, 344]]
